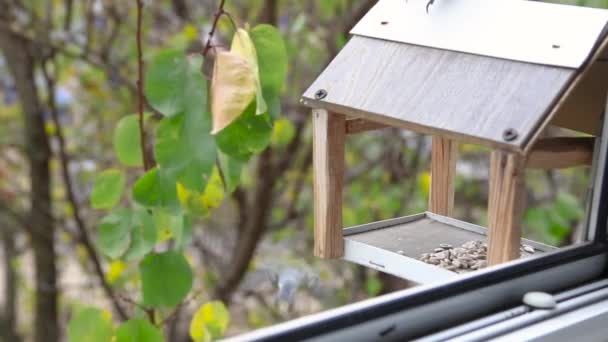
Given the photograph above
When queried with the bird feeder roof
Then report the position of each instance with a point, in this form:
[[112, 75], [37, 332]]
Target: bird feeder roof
[[492, 72]]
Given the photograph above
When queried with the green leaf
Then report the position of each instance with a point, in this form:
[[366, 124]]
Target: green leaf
[[373, 286], [231, 169], [168, 82], [568, 207], [247, 135], [127, 142], [274, 106], [185, 150], [176, 226], [114, 233], [138, 330], [107, 189], [163, 219], [272, 59], [209, 322], [559, 233], [90, 325], [537, 218], [540, 221], [152, 190], [143, 235], [166, 279], [181, 230]]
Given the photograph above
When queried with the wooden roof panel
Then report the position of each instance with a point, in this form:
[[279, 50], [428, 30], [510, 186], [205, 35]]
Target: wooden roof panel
[[507, 29], [463, 96]]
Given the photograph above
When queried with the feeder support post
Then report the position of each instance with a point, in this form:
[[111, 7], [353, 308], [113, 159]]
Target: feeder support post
[[329, 131], [505, 206], [443, 173]]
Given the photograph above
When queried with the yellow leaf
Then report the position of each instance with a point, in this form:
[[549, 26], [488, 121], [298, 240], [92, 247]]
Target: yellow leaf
[[233, 87], [115, 271], [198, 331], [425, 182], [107, 315], [209, 322], [190, 200], [242, 45], [201, 203], [50, 128], [190, 32], [214, 191], [282, 132]]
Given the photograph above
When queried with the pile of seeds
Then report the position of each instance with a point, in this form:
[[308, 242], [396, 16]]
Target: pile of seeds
[[469, 257]]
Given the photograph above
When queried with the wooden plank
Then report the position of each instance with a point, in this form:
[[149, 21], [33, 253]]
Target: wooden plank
[[583, 110], [463, 97], [355, 126], [444, 156], [505, 207], [561, 153], [328, 166], [568, 91]]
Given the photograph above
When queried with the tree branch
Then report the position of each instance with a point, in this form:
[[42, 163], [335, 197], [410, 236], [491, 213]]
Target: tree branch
[[216, 19], [21, 61], [140, 87], [67, 180]]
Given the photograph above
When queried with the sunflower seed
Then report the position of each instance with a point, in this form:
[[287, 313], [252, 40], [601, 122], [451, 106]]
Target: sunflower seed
[[529, 249]]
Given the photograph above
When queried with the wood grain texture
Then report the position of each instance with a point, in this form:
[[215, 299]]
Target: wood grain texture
[[460, 96], [355, 126], [568, 93], [583, 110], [444, 156], [505, 206], [561, 153], [329, 134]]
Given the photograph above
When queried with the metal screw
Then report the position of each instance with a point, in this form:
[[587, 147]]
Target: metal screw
[[510, 134], [321, 94]]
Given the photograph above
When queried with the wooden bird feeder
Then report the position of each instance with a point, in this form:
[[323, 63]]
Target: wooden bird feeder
[[490, 72]]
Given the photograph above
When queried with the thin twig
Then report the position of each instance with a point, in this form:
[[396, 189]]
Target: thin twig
[[216, 18], [179, 307], [149, 311], [67, 179], [140, 85]]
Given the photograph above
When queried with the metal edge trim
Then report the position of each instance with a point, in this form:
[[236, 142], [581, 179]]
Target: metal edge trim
[[393, 263]]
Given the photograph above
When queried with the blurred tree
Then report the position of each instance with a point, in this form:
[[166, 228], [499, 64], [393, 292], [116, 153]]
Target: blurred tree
[[22, 61]]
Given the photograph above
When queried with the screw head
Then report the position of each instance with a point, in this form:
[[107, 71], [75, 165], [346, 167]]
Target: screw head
[[320, 94], [510, 134]]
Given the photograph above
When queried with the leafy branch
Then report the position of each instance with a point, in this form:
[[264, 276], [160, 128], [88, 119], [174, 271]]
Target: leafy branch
[[202, 144]]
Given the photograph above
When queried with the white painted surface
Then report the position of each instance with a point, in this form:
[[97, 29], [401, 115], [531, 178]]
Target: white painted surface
[[527, 31], [393, 263]]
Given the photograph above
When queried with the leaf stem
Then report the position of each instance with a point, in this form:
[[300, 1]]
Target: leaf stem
[[140, 91], [147, 310], [216, 18]]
